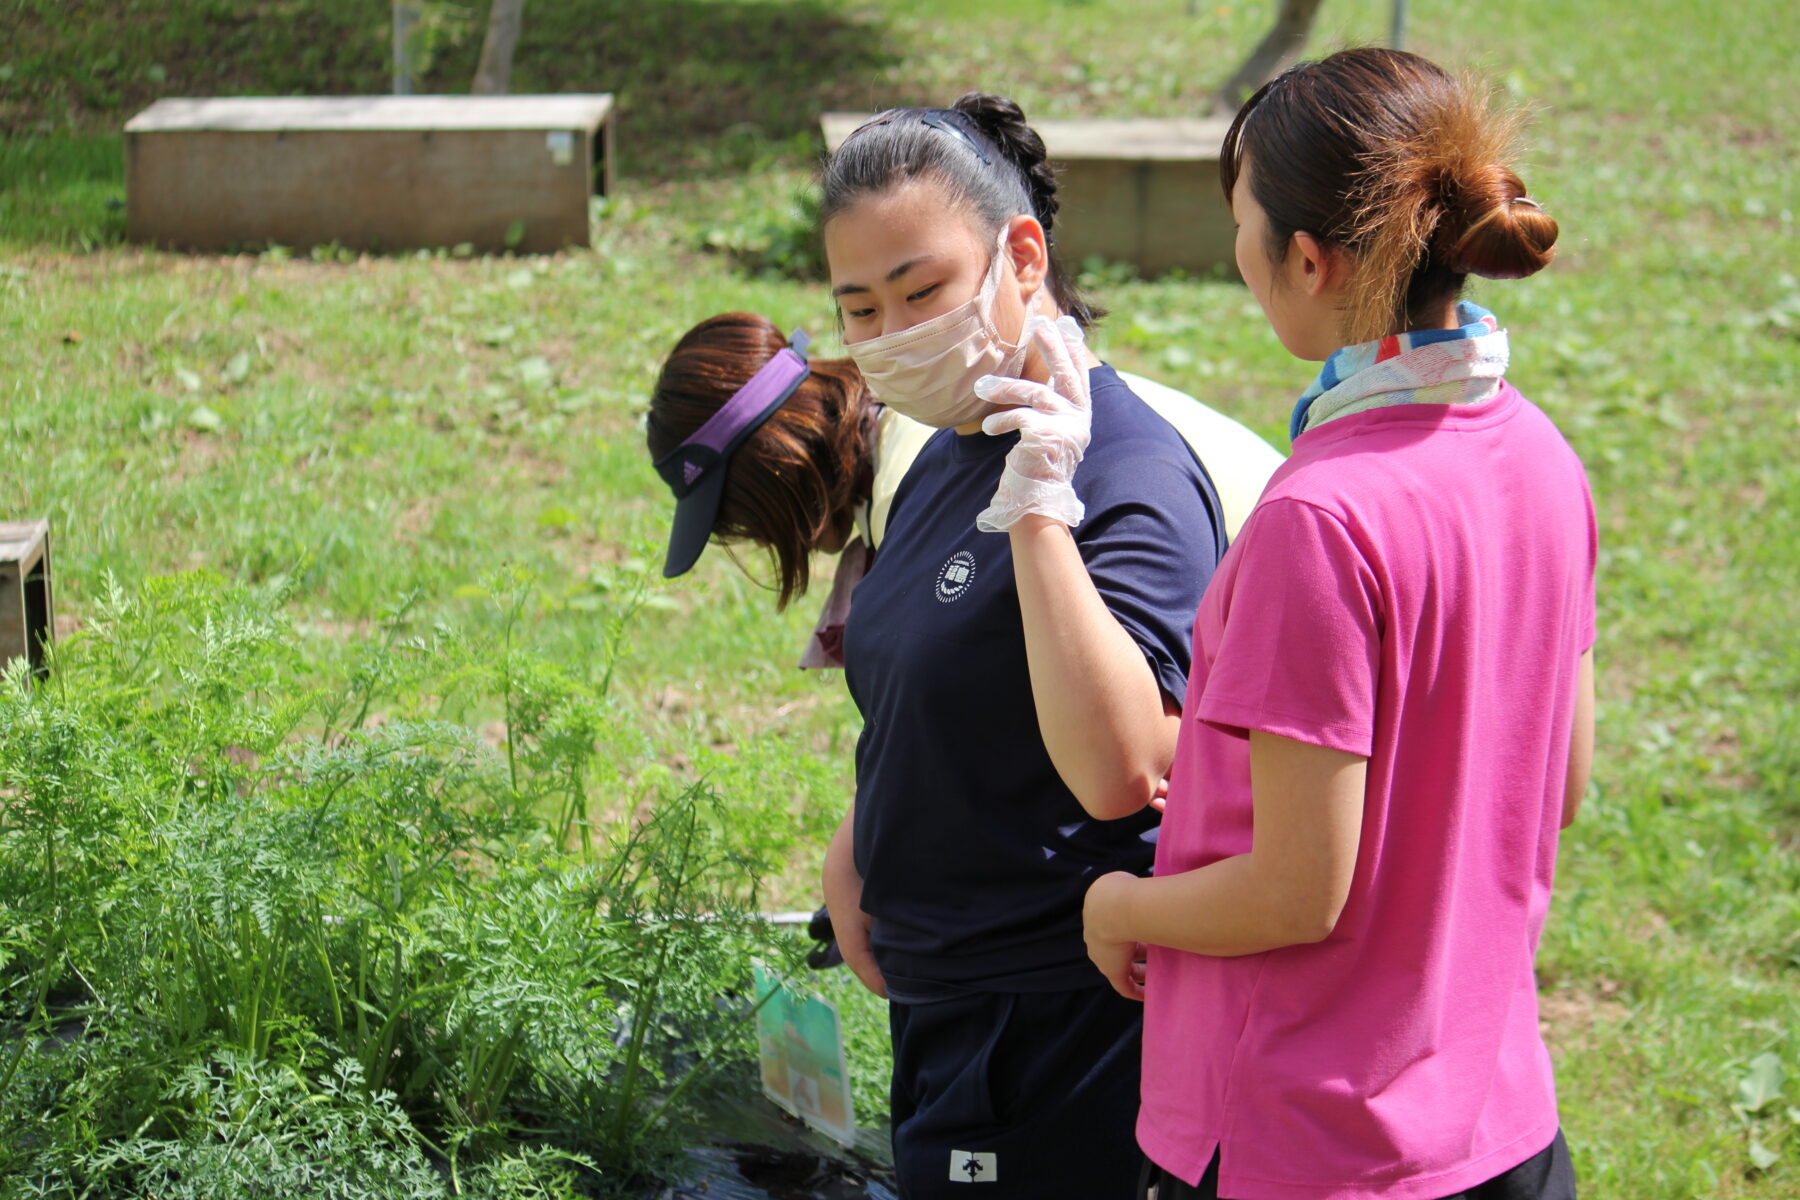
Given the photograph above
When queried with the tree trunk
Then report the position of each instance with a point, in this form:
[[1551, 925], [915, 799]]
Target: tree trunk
[[1280, 48], [493, 77], [406, 19]]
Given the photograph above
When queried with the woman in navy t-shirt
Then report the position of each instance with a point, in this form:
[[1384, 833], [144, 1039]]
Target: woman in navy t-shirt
[[1007, 758]]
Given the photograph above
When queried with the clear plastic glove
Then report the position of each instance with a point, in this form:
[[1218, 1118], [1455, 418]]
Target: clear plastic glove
[[1054, 421]]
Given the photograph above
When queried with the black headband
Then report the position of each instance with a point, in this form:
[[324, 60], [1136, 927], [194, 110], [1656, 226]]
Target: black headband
[[946, 120], [959, 126]]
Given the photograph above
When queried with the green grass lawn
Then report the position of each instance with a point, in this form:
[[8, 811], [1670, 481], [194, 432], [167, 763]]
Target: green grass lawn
[[368, 428]]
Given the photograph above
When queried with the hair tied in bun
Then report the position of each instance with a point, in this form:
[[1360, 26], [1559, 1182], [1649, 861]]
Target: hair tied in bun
[[1388, 154]]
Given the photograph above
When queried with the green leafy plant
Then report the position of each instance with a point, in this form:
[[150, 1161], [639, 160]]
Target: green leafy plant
[[776, 242], [267, 1131], [261, 940], [1767, 1127]]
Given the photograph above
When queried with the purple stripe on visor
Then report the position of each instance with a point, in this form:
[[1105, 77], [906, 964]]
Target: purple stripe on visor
[[738, 418], [695, 470]]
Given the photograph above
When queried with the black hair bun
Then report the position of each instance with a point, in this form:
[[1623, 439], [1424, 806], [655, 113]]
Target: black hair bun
[[1004, 124]]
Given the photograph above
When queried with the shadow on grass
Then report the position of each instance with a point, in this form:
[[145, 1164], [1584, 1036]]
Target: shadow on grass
[[706, 86], [62, 192], [702, 86]]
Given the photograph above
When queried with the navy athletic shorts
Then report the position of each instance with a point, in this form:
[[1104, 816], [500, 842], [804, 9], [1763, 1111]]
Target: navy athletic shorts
[[1546, 1175], [1017, 1094]]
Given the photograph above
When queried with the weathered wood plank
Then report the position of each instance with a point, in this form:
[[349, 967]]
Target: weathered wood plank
[[390, 172], [26, 623], [349, 113]]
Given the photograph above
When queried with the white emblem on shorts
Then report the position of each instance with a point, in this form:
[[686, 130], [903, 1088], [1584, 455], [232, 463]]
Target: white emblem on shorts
[[972, 1166], [955, 576]]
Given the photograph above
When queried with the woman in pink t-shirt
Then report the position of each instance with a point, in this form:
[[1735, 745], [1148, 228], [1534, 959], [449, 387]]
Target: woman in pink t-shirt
[[1390, 713]]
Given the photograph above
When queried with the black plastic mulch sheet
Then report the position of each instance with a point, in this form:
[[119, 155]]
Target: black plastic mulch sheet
[[753, 1151], [745, 1172]]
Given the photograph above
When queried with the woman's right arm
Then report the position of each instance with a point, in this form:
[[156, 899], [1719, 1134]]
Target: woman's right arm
[[1105, 716], [843, 896], [1581, 742]]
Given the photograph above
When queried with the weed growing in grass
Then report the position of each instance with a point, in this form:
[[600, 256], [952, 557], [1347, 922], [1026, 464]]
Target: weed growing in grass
[[774, 242], [257, 941]]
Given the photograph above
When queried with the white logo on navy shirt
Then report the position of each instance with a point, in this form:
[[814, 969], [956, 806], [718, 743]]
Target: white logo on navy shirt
[[955, 576], [972, 1166]]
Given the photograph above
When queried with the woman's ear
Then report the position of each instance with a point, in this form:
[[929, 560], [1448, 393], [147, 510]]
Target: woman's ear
[[1030, 252], [1315, 266]]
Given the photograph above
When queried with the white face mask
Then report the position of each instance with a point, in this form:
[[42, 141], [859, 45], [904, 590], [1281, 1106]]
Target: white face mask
[[928, 372]]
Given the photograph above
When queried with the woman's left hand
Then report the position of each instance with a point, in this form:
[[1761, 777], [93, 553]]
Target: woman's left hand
[[1054, 421], [1121, 960]]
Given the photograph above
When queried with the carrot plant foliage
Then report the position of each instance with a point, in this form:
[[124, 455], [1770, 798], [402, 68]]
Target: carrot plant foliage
[[264, 937]]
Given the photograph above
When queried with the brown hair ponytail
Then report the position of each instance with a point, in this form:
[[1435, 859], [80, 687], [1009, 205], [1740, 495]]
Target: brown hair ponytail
[[797, 479], [1387, 154]]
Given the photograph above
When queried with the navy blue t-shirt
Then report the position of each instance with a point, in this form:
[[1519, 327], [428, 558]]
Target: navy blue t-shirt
[[974, 854]]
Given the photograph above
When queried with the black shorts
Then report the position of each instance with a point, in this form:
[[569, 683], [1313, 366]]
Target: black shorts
[[1033, 1094], [1546, 1175]]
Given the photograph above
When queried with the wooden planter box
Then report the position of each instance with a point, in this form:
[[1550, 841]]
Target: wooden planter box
[[368, 172], [26, 623], [1141, 190]]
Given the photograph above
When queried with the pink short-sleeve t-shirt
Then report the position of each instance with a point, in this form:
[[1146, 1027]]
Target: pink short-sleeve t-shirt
[[1417, 586]]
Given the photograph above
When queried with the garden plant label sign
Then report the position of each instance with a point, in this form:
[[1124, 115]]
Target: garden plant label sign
[[800, 1044]]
